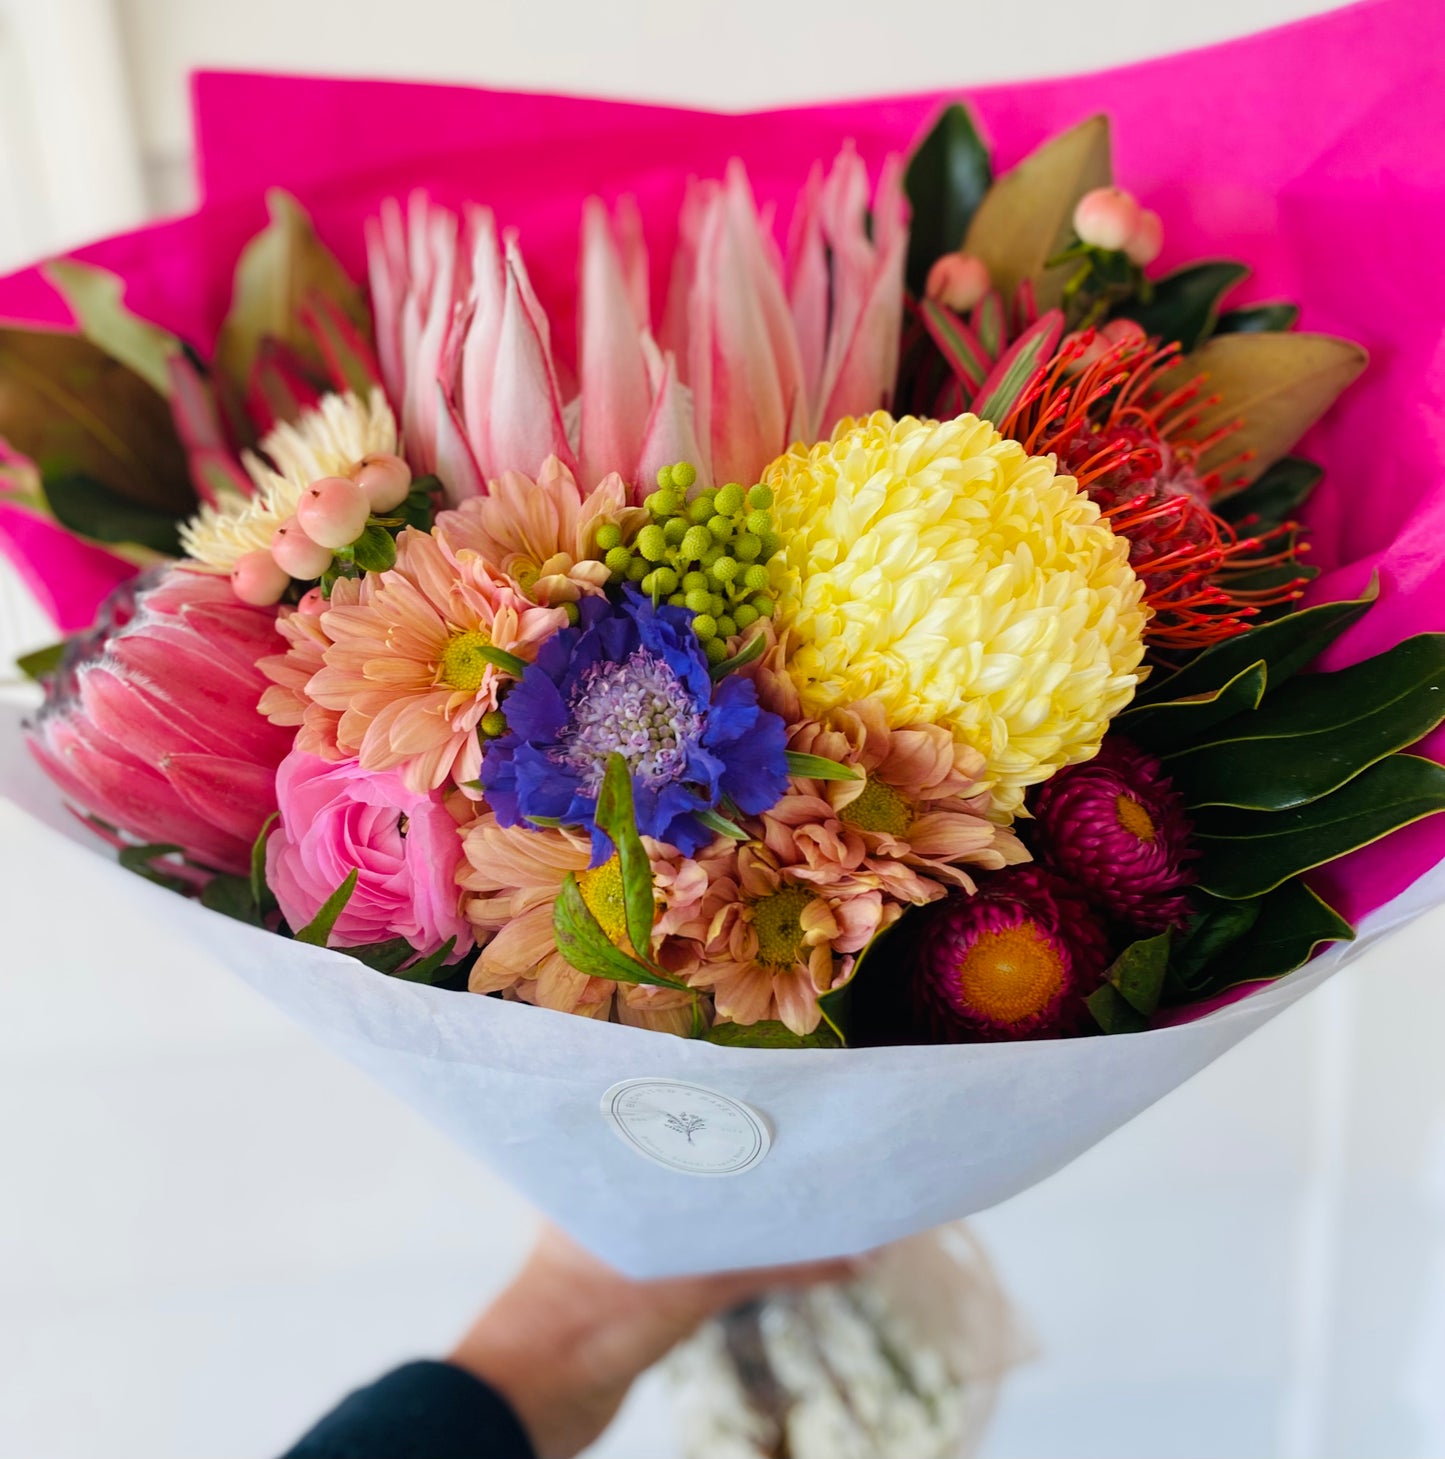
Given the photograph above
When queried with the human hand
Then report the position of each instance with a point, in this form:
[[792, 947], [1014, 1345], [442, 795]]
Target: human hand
[[563, 1343]]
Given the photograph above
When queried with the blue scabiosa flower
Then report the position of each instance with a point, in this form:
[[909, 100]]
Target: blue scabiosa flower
[[632, 679]]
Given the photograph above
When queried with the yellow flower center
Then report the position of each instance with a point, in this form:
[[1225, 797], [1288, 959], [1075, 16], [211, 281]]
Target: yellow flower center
[[601, 888], [1134, 818], [463, 665], [879, 808], [1009, 975], [778, 922]]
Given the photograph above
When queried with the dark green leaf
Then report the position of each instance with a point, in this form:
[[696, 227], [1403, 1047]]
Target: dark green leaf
[[231, 896], [1160, 727], [946, 179], [1215, 926], [140, 859], [374, 550], [41, 663], [260, 892], [95, 298], [1258, 319], [724, 827], [1286, 646], [771, 1035], [1248, 853], [426, 969], [751, 650], [384, 957], [835, 1005], [317, 931], [589, 949], [1138, 972], [617, 816], [1318, 731], [819, 767], [1113, 1012], [1292, 921], [1184, 305], [91, 509], [1274, 497]]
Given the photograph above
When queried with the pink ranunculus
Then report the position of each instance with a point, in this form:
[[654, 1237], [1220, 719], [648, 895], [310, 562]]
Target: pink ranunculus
[[403, 845]]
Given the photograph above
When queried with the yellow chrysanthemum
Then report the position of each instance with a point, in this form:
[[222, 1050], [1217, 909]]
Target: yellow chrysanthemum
[[327, 440], [963, 582]]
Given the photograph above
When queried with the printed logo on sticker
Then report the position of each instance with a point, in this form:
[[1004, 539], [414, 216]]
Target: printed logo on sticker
[[687, 1127]]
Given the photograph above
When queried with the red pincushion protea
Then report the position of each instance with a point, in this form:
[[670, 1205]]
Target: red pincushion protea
[[1115, 826], [1016, 960]]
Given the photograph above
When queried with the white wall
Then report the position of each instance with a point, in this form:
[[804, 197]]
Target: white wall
[[208, 1226]]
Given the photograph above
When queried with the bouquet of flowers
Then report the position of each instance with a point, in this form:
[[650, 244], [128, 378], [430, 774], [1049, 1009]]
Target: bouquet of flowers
[[898, 622]]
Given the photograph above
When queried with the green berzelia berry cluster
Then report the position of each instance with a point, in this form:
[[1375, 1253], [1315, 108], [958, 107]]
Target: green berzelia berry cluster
[[709, 553]]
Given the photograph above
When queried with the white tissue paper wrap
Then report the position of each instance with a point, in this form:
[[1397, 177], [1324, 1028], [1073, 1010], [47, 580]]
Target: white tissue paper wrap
[[867, 1145]]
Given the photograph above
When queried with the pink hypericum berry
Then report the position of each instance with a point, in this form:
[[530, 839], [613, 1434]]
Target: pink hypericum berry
[[958, 280], [313, 603], [297, 554], [257, 580], [1147, 240], [385, 479], [333, 511], [1106, 218]]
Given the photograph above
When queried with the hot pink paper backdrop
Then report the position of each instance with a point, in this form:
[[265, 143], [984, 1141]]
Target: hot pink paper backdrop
[[1315, 152]]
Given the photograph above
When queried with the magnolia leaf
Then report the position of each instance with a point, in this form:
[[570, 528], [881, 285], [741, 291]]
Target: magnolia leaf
[[1138, 972], [1318, 732], [1278, 385], [819, 767], [1025, 360], [1216, 925], [1027, 216], [1288, 925], [425, 969], [231, 897], [41, 663], [142, 859], [375, 551], [947, 178], [1113, 1012], [1286, 647], [1161, 727], [279, 272], [95, 298], [260, 892], [589, 949], [75, 411], [770, 1034], [1258, 319], [1248, 853], [88, 508], [1274, 497], [318, 930], [617, 816], [1183, 306]]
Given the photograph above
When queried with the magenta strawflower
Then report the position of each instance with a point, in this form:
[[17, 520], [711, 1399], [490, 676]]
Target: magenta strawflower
[[1014, 961], [1116, 827]]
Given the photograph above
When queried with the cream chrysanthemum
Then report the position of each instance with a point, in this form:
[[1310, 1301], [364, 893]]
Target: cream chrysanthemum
[[327, 440], [941, 569]]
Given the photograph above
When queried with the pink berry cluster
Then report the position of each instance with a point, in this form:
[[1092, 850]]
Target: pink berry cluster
[[1111, 219], [332, 513]]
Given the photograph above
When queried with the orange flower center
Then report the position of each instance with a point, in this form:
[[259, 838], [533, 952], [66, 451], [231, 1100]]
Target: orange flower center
[[1134, 818], [1010, 975], [463, 664], [601, 888], [778, 923], [879, 808]]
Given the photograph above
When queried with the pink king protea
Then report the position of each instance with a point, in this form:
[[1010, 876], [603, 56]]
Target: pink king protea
[[1116, 827], [151, 724], [1016, 960]]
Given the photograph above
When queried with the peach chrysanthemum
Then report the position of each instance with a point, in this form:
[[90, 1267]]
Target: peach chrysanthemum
[[770, 938], [286, 701], [405, 667], [542, 534], [514, 876], [908, 825]]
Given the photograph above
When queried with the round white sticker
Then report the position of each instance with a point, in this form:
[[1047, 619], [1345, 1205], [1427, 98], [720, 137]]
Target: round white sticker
[[686, 1127]]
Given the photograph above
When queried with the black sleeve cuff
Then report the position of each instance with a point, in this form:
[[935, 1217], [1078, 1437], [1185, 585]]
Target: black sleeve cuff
[[419, 1411]]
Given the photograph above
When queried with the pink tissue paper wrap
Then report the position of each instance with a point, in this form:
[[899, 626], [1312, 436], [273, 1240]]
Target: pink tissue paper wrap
[[1315, 153]]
